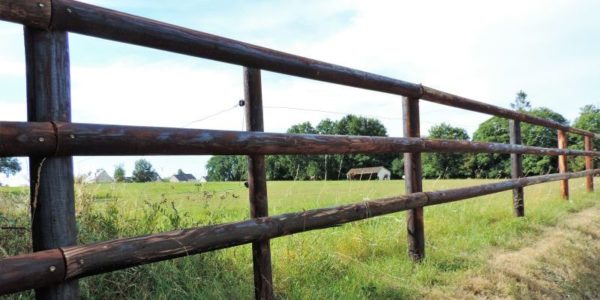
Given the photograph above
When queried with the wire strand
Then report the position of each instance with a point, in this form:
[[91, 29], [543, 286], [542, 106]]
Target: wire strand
[[211, 115]]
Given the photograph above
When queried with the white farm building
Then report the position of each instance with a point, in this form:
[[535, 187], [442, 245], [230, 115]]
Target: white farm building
[[183, 177], [100, 176], [380, 173]]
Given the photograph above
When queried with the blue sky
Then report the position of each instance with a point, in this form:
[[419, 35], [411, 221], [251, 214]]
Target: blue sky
[[485, 50]]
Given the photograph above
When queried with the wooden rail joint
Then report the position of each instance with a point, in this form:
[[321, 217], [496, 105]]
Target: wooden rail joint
[[37, 14], [32, 270]]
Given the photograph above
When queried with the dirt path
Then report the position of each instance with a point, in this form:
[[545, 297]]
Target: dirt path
[[564, 263]]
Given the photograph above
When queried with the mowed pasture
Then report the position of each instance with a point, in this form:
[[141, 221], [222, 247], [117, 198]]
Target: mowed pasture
[[366, 259]]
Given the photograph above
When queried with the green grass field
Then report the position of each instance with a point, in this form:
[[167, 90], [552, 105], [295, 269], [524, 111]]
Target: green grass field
[[366, 259]]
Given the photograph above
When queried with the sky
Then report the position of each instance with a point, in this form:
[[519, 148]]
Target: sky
[[483, 50]]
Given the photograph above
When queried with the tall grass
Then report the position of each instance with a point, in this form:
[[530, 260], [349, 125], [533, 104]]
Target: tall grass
[[366, 259]]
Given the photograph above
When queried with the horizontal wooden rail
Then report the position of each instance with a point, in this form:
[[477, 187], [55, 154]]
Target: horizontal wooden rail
[[58, 138], [86, 260], [95, 21]]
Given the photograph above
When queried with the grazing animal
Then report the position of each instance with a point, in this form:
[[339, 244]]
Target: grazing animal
[[246, 184]]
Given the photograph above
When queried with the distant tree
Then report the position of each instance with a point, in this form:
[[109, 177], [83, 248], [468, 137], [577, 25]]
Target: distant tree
[[534, 135], [495, 130], [521, 103], [355, 125], [490, 165], [326, 126], [397, 167], [9, 166], [485, 165], [303, 128], [302, 167], [119, 173], [331, 162], [361, 126], [144, 172], [227, 168], [180, 172], [588, 119], [445, 165]]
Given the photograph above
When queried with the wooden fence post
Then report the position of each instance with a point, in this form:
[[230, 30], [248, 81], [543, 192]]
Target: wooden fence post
[[257, 185], [51, 178], [562, 164], [413, 180], [589, 163], [516, 161]]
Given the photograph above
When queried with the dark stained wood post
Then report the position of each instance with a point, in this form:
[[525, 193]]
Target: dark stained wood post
[[589, 163], [516, 161], [51, 178], [562, 164], [257, 185], [413, 180]]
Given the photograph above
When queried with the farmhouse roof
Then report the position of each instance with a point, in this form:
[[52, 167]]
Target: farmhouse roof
[[184, 177], [370, 170], [98, 175]]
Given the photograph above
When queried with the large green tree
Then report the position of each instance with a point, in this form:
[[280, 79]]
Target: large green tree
[[521, 103], [227, 168], [144, 172], [495, 129], [588, 119], [445, 165], [327, 166], [534, 135], [119, 173], [303, 167], [490, 165], [355, 125], [9, 166]]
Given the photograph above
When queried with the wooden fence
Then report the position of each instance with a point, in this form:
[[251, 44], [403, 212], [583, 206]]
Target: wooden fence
[[50, 140]]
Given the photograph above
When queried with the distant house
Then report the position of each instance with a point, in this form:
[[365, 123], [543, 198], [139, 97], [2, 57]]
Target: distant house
[[100, 176], [380, 173], [182, 177]]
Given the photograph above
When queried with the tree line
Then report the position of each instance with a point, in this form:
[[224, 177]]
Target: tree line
[[317, 167], [435, 165]]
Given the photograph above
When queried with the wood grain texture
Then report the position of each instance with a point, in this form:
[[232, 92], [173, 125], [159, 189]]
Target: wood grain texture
[[589, 163], [97, 139], [257, 186], [35, 14], [562, 164], [413, 178], [27, 138], [516, 162], [31, 271], [51, 178]]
